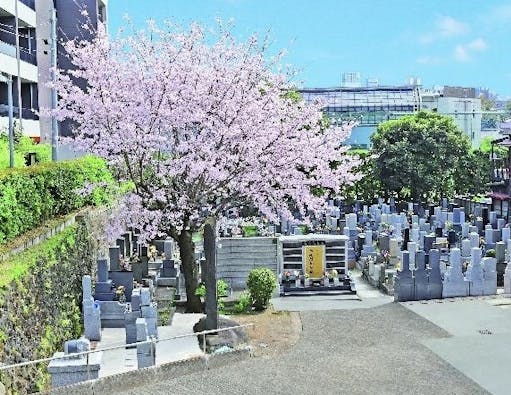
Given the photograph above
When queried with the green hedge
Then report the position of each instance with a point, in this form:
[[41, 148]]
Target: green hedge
[[31, 195], [40, 297]]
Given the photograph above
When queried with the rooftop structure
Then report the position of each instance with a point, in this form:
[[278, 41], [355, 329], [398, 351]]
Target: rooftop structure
[[371, 105]]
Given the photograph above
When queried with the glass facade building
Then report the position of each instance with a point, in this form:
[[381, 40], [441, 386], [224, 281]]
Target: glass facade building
[[367, 105]]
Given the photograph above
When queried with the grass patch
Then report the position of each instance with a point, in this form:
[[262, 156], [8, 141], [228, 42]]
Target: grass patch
[[15, 267]]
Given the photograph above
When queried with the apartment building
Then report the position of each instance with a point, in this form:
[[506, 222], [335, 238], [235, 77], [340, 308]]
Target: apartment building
[[25, 54]]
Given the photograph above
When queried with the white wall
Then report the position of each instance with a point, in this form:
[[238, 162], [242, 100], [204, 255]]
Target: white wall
[[25, 13], [30, 126]]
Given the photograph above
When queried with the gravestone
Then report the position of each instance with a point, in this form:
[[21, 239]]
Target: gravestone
[[479, 223], [103, 288], [501, 222], [507, 279], [506, 233], [456, 216], [451, 237], [493, 219], [124, 278], [500, 251], [454, 283], [130, 319], [128, 242], [485, 215], [428, 242], [497, 235], [91, 312], [488, 234], [121, 243], [384, 242], [404, 288], [489, 276], [435, 277], [474, 273], [168, 249], [114, 256], [421, 277], [474, 240], [412, 249], [465, 229], [146, 352], [465, 248]]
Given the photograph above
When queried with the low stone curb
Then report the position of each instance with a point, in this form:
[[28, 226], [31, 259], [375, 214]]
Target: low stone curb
[[135, 378]]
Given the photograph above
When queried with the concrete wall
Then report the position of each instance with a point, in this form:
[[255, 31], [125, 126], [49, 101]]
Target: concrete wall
[[238, 256], [136, 378]]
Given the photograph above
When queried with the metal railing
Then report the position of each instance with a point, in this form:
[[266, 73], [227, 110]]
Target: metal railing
[[131, 345]]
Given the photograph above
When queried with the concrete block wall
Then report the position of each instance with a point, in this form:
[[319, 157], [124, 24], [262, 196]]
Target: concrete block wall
[[237, 256]]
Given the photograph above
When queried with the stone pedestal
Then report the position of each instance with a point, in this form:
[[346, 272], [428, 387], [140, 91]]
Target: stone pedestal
[[146, 352], [74, 369]]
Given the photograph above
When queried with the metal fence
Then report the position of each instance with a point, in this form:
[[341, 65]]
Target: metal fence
[[12, 367]]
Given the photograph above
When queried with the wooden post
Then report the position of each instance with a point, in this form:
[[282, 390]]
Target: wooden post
[[210, 277]]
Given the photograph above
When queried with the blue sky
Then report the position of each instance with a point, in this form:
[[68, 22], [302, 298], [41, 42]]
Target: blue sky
[[444, 42]]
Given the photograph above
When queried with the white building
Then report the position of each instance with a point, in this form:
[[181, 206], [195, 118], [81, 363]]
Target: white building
[[31, 69]]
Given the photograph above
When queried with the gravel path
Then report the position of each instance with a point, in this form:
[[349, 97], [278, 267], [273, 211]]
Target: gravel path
[[364, 351]]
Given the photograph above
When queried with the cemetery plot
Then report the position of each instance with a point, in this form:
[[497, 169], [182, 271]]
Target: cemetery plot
[[429, 252], [313, 263]]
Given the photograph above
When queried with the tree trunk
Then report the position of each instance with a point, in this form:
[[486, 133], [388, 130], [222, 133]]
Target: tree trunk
[[187, 253]]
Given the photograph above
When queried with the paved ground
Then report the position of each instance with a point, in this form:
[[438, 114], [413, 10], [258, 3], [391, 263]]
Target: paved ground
[[122, 360], [374, 350], [481, 337]]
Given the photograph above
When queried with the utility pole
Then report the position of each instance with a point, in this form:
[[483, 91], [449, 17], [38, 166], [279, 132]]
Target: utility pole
[[53, 60], [8, 80], [18, 55]]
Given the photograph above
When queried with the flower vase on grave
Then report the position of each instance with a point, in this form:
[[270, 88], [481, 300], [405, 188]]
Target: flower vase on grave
[[306, 282], [297, 282], [326, 281]]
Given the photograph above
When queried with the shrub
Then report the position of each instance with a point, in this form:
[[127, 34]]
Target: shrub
[[21, 148], [31, 195], [491, 253], [222, 290], [244, 303], [261, 284]]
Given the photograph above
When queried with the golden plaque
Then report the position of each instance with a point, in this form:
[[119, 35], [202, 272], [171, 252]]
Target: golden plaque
[[314, 257]]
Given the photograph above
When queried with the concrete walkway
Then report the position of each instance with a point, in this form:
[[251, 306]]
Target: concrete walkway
[[366, 297], [480, 341], [125, 359], [374, 350]]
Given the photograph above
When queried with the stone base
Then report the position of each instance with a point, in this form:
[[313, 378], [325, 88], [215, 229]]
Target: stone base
[[167, 282], [74, 370]]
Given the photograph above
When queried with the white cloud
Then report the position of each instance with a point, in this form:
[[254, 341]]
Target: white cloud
[[429, 60], [448, 27], [444, 27], [477, 45], [461, 54], [464, 52]]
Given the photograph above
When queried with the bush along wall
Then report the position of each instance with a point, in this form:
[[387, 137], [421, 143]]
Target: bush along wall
[[32, 195], [40, 299]]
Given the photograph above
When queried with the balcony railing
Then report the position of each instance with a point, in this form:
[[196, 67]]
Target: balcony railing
[[26, 113], [29, 3], [25, 55]]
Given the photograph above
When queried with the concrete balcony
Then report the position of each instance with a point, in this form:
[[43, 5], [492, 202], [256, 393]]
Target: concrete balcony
[[26, 10], [8, 64]]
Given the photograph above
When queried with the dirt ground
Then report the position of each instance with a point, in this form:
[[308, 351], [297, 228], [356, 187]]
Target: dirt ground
[[273, 331]]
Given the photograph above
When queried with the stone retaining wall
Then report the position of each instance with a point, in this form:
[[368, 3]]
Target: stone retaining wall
[[239, 255]]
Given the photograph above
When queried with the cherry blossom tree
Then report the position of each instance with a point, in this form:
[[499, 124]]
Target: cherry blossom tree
[[197, 123]]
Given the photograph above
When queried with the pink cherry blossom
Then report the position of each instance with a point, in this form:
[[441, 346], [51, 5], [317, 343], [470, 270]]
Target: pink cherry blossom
[[198, 122]]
